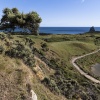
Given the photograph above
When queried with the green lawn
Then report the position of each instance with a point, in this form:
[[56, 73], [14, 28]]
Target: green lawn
[[72, 48]]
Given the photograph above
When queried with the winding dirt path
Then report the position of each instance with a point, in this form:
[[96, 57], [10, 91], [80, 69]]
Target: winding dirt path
[[81, 71]]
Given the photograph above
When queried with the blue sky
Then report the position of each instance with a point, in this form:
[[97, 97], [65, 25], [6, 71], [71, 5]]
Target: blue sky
[[59, 12]]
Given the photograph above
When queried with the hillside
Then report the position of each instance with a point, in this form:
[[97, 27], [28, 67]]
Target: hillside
[[42, 64]]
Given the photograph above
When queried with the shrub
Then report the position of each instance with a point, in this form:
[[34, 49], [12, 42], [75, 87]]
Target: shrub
[[51, 84], [46, 81], [97, 41], [1, 49], [44, 45], [29, 61], [31, 44], [9, 36], [23, 53], [41, 53], [2, 36]]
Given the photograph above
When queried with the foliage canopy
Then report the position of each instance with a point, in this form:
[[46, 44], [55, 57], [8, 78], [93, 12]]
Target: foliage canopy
[[12, 18]]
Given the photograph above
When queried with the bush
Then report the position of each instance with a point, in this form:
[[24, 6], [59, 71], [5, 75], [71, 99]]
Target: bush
[[2, 36], [31, 44], [41, 52], [44, 45], [1, 49], [46, 81], [23, 53], [29, 61], [51, 84], [97, 41], [9, 36]]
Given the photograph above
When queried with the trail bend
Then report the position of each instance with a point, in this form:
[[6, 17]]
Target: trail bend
[[81, 71]]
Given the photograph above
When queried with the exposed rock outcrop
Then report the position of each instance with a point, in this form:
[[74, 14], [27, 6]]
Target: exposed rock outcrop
[[92, 29], [34, 96]]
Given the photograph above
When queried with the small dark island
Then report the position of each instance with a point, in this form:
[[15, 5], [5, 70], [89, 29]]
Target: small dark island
[[92, 29]]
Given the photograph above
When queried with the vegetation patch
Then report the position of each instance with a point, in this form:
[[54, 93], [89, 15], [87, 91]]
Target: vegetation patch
[[56, 55], [87, 62]]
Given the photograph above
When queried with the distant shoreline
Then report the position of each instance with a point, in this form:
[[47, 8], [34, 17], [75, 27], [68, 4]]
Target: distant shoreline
[[59, 30], [66, 30]]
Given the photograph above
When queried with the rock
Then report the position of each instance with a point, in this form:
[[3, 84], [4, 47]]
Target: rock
[[34, 96], [92, 29]]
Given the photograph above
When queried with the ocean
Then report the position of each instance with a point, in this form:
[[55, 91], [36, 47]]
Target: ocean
[[59, 30], [66, 30]]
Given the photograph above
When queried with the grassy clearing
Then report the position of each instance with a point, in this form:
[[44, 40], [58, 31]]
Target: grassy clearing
[[70, 48]]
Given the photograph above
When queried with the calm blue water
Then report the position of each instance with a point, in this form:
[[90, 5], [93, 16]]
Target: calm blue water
[[66, 30], [60, 30]]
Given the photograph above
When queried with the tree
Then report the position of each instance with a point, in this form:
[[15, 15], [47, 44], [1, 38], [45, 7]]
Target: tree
[[8, 19], [32, 22], [20, 20], [15, 11], [12, 18], [7, 11]]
